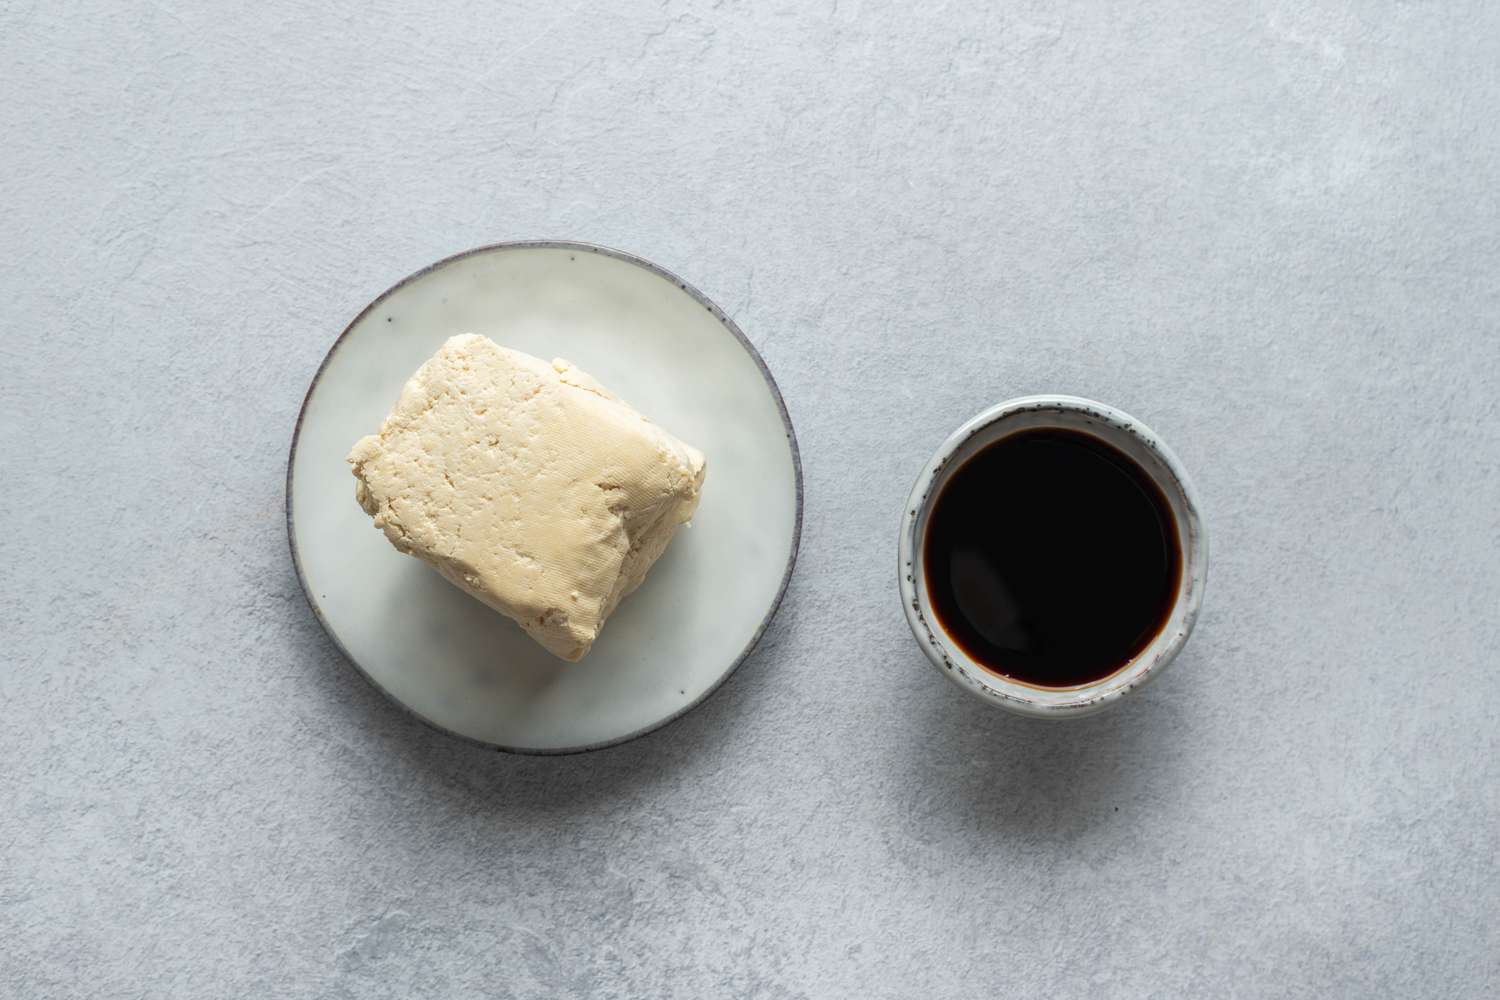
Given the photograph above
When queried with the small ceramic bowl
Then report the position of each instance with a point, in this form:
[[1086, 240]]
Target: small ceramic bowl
[[1138, 442]]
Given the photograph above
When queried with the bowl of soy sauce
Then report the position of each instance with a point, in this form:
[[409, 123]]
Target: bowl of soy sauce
[[1052, 556]]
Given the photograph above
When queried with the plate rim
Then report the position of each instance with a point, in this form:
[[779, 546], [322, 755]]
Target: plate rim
[[724, 320]]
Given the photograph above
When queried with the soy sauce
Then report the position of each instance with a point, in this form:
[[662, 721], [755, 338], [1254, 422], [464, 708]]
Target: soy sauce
[[1052, 558]]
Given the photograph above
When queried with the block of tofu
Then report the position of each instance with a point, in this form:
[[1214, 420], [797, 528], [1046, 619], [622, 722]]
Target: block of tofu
[[528, 485]]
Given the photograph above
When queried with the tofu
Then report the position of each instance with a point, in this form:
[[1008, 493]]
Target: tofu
[[528, 485]]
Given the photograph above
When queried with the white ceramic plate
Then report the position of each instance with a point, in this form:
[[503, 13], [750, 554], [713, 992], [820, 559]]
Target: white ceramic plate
[[661, 346]]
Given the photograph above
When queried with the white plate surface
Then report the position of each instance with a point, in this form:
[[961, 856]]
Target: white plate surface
[[659, 345]]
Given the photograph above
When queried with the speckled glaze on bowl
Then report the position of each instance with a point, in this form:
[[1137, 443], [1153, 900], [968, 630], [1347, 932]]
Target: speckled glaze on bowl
[[660, 345], [1138, 442]]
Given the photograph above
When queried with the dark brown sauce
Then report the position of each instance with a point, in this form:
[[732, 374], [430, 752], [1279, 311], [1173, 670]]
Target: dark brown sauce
[[1052, 558]]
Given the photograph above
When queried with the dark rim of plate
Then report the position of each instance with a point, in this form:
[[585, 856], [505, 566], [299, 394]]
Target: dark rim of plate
[[725, 321]]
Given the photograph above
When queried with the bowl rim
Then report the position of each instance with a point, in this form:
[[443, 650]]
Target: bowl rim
[[1015, 696], [724, 320]]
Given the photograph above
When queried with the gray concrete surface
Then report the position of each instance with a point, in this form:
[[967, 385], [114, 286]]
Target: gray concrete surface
[[1269, 229]]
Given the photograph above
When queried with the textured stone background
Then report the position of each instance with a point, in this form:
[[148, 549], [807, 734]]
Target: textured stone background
[[1269, 229]]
